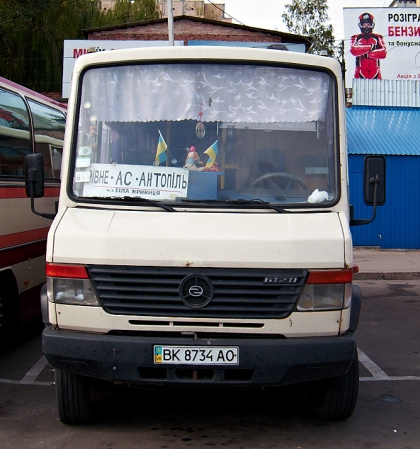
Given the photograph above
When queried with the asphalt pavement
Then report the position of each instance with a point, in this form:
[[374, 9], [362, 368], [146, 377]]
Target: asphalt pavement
[[376, 263]]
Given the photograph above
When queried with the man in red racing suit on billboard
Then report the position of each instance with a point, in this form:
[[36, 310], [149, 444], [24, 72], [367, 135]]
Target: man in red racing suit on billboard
[[368, 48]]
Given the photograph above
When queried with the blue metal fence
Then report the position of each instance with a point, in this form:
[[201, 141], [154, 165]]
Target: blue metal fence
[[397, 224]]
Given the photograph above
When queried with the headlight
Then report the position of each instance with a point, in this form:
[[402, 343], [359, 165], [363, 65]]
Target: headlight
[[324, 291], [67, 284]]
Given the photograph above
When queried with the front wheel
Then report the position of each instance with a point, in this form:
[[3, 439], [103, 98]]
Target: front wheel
[[335, 399], [73, 397]]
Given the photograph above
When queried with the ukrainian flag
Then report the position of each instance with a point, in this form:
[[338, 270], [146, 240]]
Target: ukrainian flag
[[161, 150], [212, 154]]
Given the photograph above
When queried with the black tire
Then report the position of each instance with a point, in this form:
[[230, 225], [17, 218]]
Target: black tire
[[335, 399], [73, 397], [9, 318]]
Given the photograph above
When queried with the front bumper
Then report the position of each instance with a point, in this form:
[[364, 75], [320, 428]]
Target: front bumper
[[266, 361]]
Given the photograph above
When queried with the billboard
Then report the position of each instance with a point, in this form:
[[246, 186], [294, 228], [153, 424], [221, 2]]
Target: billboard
[[75, 48], [382, 43]]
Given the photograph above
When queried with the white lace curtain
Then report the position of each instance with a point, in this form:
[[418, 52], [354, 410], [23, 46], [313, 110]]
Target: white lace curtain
[[206, 92]]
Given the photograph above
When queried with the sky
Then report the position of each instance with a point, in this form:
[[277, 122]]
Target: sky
[[267, 13]]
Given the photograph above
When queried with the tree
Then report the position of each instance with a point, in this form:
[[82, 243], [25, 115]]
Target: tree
[[126, 11], [32, 34], [309, 18]]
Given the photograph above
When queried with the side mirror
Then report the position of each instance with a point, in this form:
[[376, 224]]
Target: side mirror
[[374, 177], [374, 187], [34, 175], [34, 181]]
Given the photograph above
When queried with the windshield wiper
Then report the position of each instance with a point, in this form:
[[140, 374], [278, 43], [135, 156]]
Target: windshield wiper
[[240, 202], [266, 204], [151, 202]]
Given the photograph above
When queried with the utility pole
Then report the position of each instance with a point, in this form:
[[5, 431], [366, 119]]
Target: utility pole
[[170, 23]]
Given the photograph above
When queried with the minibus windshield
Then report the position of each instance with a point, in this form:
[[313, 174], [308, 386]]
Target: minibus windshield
[[203, 132]]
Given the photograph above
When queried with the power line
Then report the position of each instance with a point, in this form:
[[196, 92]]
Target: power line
[[224, 12]]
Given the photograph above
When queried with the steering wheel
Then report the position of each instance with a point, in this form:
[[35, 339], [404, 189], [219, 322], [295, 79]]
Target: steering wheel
[[292, 180]]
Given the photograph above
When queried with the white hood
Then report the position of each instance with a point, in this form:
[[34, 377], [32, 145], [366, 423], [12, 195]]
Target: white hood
[[234, 240]]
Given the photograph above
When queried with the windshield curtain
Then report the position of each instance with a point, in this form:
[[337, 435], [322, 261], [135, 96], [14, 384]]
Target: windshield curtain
[[219, 132], [228, 93]]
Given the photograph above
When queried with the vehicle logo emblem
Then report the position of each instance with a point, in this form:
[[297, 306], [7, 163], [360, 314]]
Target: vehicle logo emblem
[[196, 291]]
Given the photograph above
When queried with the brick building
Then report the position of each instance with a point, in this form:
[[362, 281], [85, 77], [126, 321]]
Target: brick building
[[215, 11], [197, 8], [190, 28]]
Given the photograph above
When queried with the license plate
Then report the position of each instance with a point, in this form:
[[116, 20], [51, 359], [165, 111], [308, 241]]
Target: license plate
[[196, 355]]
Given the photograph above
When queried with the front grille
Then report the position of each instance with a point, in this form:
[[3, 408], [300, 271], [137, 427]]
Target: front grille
[[237, 293]]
